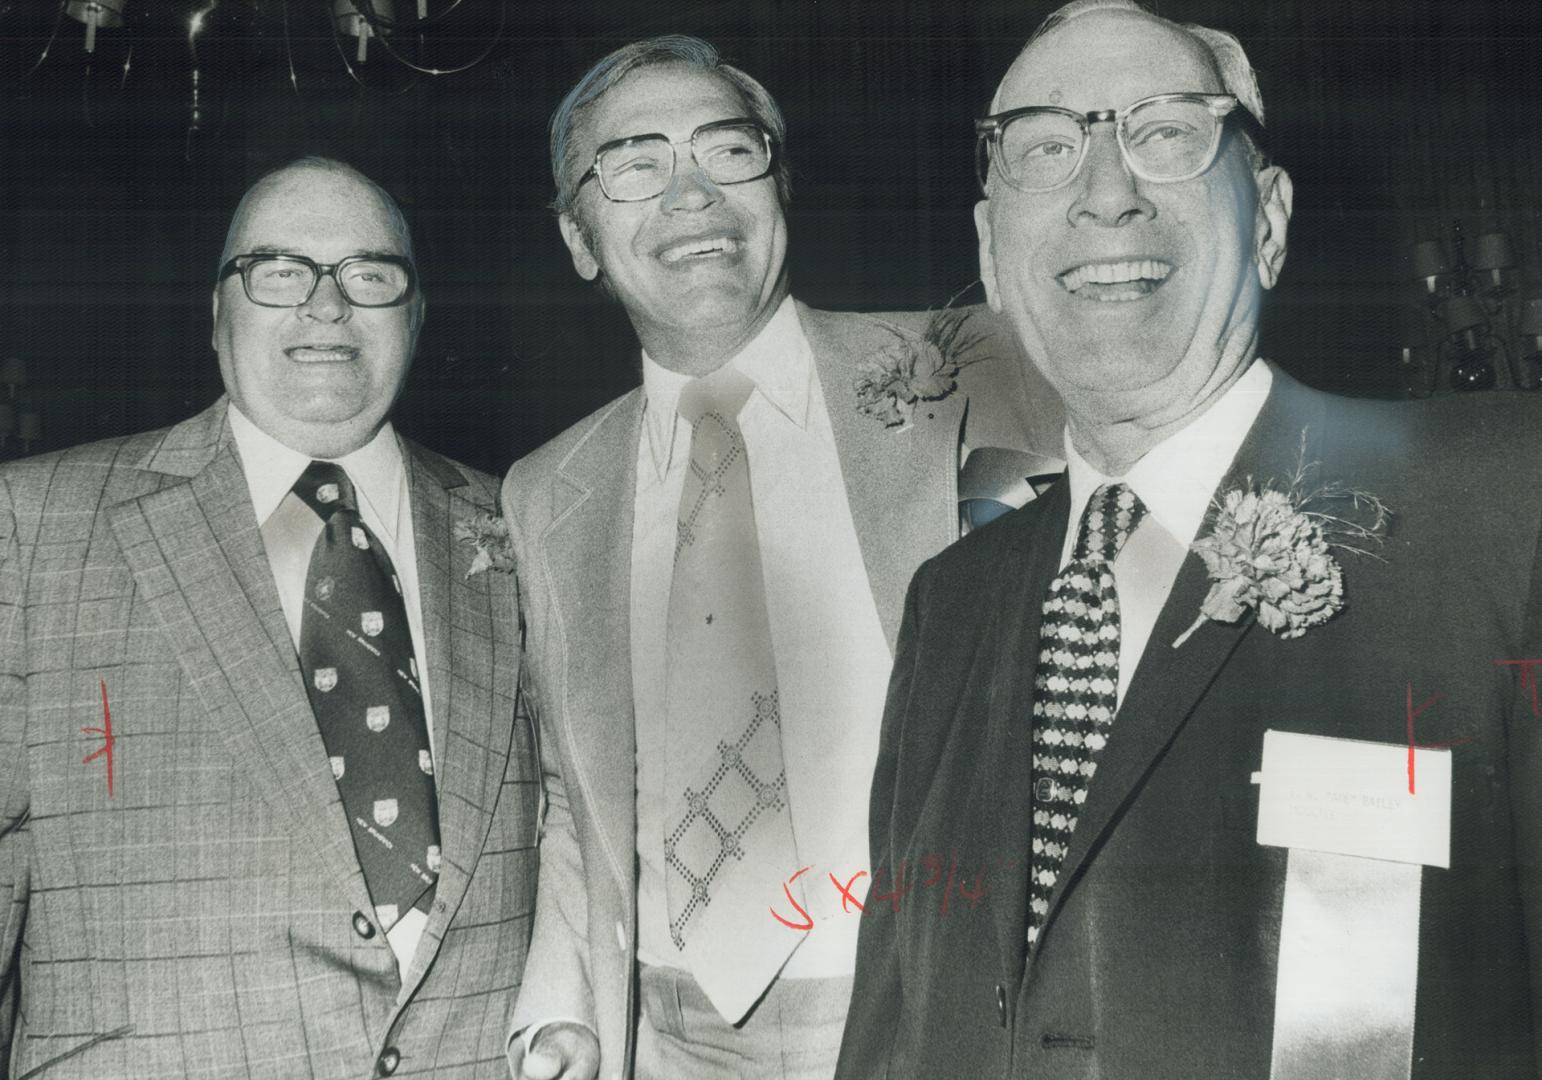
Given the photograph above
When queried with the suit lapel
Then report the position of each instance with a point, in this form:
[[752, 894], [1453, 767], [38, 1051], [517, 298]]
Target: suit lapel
[[471, 718], [901, 484], [197, 557], [1170, 682], [587, 559]]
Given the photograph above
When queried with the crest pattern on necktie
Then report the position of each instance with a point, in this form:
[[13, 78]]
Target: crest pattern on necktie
[[1076, 683]]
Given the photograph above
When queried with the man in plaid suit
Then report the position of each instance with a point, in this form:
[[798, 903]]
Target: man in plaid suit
[[186, 887]]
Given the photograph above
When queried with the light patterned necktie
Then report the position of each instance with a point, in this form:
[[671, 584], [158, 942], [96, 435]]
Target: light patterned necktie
[[728, 841], [1076, 684], [362, 678]]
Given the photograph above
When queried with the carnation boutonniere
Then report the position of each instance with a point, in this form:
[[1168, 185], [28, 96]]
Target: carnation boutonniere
[[1272, 551], [489, 535], [916, 367]]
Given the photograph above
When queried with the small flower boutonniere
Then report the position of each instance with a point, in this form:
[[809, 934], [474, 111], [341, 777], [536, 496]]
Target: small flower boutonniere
[[916, 367], [1271, 551], [489, 535]]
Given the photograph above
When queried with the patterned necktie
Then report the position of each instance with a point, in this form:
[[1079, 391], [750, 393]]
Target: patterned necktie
[[362, 678], [1076, 684], [728, 842]]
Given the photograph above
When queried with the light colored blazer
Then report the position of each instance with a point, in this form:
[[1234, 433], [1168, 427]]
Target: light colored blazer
[[201, 918], [570, 506]]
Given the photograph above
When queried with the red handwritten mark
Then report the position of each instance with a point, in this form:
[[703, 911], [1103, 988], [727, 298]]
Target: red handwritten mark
[[845, 890], [1528, 679], [1413, 712], [107, 740], [808, 923]]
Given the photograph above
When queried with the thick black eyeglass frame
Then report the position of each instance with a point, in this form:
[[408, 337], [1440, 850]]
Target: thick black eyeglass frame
[[237, 266], [772, 151], [988, 133]]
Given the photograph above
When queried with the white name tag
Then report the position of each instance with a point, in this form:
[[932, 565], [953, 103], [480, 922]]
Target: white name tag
[[1352, 797]]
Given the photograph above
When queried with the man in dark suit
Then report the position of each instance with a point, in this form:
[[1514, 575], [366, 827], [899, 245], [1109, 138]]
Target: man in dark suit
[[268, 807], [1106, 846]]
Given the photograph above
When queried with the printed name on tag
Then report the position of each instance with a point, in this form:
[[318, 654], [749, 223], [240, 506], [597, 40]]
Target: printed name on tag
[[1351, 797]]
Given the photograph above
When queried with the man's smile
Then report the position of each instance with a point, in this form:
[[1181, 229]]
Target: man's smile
[[1127, 279], [322, 353], [708, 247]]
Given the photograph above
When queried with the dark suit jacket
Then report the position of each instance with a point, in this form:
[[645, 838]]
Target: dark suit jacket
[[199, 919], [1158, 958]]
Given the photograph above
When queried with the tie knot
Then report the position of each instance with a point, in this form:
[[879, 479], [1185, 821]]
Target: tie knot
[[1112, 514], [324, 487], [723, 393]]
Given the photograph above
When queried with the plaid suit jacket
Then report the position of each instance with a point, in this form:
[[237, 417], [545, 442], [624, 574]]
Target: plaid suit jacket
[[197, 915]]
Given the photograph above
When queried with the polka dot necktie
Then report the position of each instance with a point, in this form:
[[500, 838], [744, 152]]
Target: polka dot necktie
[[728, 843], [1076, 684], [362, 678]]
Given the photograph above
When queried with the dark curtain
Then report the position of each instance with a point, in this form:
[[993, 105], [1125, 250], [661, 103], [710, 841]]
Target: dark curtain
[[1394, 118]]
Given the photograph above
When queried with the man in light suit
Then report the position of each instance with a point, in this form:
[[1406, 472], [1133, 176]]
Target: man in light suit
[[268, 807], [1266, 807], [709, 641]]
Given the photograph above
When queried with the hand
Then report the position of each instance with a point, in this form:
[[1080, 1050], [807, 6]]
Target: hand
[[561, 1051]]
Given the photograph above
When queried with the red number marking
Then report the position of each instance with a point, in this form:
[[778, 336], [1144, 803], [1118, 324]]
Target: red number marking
[[808, 923], [1528, 679], [933, 864], [845, 890], [901, 887], [107, 740]]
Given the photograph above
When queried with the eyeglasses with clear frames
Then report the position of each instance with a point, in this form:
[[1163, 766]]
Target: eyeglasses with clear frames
[[285, 281], [1164, 139], [640, 167]]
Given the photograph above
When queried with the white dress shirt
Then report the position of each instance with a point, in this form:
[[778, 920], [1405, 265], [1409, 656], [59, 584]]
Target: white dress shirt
[[380, 481], [832, 660], [1176, 480]]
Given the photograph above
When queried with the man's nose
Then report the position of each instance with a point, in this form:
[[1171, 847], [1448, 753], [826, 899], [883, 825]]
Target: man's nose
[[690, 189], [1108, 193], [327, 302]]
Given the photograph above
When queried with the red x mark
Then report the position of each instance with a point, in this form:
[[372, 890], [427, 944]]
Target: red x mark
[[845, 889], [107, 740]]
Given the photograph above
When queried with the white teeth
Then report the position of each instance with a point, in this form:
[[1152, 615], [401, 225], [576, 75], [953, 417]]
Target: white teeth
[[719, 245], [322, 352], [1115, 273]]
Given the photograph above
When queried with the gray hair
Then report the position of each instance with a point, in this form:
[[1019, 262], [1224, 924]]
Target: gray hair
[[669, 49], [1231, 60], [394, 216]]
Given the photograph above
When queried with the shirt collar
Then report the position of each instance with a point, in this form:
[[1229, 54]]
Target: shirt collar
[[272, 468], [778, 359], [1177, 478]]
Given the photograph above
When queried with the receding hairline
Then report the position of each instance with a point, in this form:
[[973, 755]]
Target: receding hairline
[[390, 211], [1199, 46]]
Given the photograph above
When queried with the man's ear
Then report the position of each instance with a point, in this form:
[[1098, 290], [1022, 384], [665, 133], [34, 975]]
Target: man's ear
[[584, 262], [214, 322], [1276, 195], [982, 225]]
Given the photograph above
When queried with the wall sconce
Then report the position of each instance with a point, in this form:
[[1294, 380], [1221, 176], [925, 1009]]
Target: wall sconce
[[1491, 257], [1469, 344], [94, 13], [1428, 260], [350, 21], [1530, 330]]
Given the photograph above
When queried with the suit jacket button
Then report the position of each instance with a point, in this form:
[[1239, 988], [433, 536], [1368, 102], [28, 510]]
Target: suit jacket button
[[1043, 788], [362, 926], [1001, 1003], [390, 1058]]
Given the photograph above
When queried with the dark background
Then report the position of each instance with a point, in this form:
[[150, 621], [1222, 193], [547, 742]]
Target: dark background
[[1395, 118]]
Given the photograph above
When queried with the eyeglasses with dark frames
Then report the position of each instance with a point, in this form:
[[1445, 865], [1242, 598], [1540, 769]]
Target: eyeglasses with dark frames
[[1164, 139], [286, 281]]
